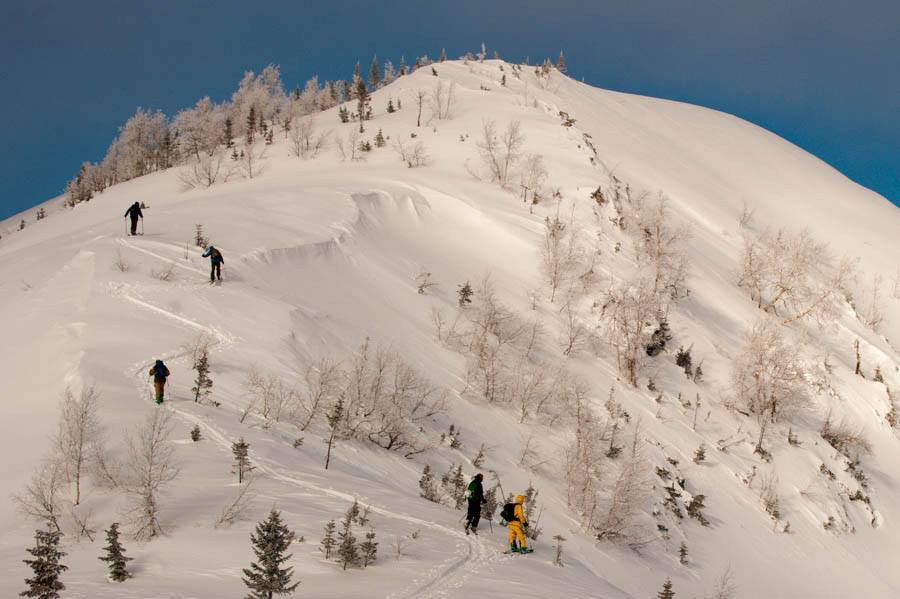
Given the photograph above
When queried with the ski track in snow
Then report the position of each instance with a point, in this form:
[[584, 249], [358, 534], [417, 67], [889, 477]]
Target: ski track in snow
[[452, 574]]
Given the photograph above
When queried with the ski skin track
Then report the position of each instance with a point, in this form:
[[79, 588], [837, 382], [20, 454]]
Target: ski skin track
[[453, 576]]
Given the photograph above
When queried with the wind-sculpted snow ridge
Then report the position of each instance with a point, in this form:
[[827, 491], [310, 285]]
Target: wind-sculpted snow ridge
[[641, 269]]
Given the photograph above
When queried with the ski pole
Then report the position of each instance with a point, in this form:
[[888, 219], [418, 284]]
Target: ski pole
[[142, 226]]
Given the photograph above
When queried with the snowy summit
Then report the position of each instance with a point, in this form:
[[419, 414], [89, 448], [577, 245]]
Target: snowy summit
[[666, 336]]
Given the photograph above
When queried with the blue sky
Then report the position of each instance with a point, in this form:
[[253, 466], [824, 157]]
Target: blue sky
[[824, 74]]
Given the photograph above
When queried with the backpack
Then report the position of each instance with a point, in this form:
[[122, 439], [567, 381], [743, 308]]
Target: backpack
[[160, 371], [509, 512]]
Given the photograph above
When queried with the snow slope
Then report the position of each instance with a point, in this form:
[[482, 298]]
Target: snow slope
[[321, 254]]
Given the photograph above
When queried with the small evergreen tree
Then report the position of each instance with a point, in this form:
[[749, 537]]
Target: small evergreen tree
[[700, 454], [46, 566], [348, 551], [343, 114], [503, 80], [403, 68], [478, 460], [369, 548], [374, 76], [379, 139], [115, 555], [363, 111], [456, 486], [561, 63], [427, 487], [195, 433], [328, 543], [877, 377], [202, 384], [465, 294], [695, 509], [241, 451], [683, 359], [666, 592], [443, 57], [334, 420], [390, 106], [251, 124], [265, 577], [228, 137], [199, 239], [683, 554]]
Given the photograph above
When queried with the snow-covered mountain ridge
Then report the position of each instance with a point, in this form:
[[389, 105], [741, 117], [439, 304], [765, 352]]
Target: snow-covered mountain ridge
[[325, 252]]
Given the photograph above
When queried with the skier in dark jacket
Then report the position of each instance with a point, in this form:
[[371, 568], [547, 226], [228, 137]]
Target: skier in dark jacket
[[215, 262], [134, 211], [475, 495], [160, 373]]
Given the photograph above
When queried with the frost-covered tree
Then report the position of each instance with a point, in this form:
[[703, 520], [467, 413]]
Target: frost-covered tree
[[335, 417], [427, 485], [266, 577], [46, 565], [561, 63], [661, 247], [500, 153], [115, 557], [150, 468], [560, 252], [42, 499], [666, 592], [794, 277], [626, 309], [443, 100], [78, 435], [769, 377]]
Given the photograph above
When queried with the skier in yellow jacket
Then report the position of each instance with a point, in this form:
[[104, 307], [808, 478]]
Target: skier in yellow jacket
[[517, 527]]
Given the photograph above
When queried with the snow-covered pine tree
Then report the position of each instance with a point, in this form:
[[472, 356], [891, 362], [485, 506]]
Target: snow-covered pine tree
[[348, 551], [195, 433], [683, 554], [46, 566], [390, 106], [666, 592], [403, 68], [379, 139], [328, 543], [115, 556], [199, 239], [369, 548], [443, 57], [241, 451], [343, 114], [266, 577], [374, 76], [427, 485], [202, 384]]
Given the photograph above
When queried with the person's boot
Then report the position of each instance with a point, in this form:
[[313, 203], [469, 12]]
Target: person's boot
[[466, 527], [159, 400], [513, 548]]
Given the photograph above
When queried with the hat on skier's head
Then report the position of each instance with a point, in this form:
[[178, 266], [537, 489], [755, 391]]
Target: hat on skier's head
[[479, 476], [520, 499]]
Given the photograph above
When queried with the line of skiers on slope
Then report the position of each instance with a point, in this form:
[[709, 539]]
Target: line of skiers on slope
[[513, 513], [215, 256]]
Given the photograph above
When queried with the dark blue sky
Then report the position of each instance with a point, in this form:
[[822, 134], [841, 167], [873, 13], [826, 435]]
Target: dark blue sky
[[822, 73]]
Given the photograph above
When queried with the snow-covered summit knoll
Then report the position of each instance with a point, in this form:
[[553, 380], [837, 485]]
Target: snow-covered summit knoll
[[681, 335]]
